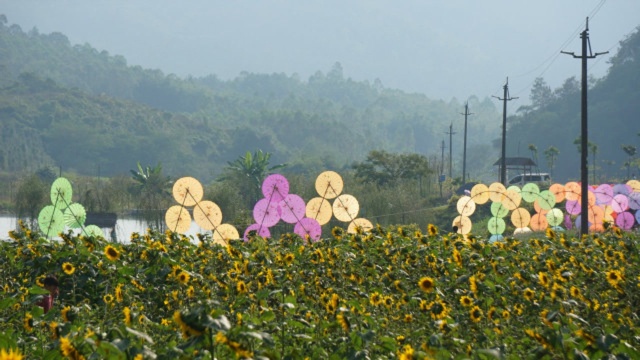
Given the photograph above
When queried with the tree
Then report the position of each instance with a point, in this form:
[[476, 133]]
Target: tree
[[386, 169], [593, 149], [534, 153], [152, 189], [541, 94], [248, 172], [551, 154], [630, 150], [30, 198]]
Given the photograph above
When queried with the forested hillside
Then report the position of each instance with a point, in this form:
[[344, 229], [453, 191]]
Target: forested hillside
[[83, 109], [553, 120]]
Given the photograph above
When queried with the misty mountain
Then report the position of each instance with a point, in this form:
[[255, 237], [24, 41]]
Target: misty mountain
[[79, 108]]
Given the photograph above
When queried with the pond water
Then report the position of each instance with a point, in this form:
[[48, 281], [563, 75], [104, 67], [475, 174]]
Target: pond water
[[121, 232]]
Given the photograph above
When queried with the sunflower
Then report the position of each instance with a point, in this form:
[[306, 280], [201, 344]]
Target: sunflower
[[68, 268], [528, 294], [473, 284], [183, 277], [456, 257], [111, 253], [108, 299], [432, 230], [127, 315], [506, 314], [344, 322], [388, 301], [543, 278], [438, 309], [375, 299], [118, 293], [466, 301], [28, 322], [475, 313], [575, 292], [241, 287], [590, 339], [408, 318], [65, 314], [10, 354], [288, 258], [39, 280], [614, 277], [55, 330], [427, 284], [550, 234], [191, 291]]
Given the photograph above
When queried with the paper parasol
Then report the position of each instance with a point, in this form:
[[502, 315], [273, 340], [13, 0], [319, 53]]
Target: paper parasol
[[496, 225], [61, 193], [359, 223], [463, 224], [520, 217], [511, 199], [620, 203], [275, 187], [558, 191], [187, 191], [223, 233], [178, 219], [499, 210], [266, 213], [207, 214], [293, 208], [93, 230], [530, 192], [555, 217], [634, 185], [51, 220], [496, 237], [522, 230], [604, 194], [466, 206], [572, 191], [320, 209], [345, 208], [596, 214], [623, 189], [546, 200], [261, 231], [573, 207], [480, 193], [75, 216], [496, 192], [329, 184], [634, 200], [515, 189], [625, 220], [538, 222], [308, 228]]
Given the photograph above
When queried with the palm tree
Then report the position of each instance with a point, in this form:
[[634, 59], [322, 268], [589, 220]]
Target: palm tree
[[551, 154], [534, 155], [630, 150], [248, 172], [152, 189]]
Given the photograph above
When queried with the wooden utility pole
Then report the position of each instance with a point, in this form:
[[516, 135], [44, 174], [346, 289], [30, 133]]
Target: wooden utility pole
[[503, 160], [464, 153], [584, 151], [450, 146], [440, 179]]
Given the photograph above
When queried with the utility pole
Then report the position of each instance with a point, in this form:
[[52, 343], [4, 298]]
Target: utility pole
[[503, 160], [584, 151], [450, 146], [464, 153], [440, 179]]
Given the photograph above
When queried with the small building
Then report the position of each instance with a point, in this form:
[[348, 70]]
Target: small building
[[519, 165]]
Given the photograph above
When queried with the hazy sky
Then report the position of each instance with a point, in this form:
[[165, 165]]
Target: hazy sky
[[444, 49]]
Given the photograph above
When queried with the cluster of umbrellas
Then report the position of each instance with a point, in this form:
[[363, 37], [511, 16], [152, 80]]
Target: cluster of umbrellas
[[53, 218], [280, 205], [616, 204]]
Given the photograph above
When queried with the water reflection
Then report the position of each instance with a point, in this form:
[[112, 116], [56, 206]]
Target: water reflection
[[120, 233]]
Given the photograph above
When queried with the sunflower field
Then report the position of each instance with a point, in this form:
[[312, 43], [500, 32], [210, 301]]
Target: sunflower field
[[389, 293]]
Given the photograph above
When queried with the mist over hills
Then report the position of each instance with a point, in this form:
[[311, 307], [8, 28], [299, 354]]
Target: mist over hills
[[82, 109]]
